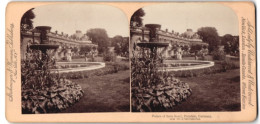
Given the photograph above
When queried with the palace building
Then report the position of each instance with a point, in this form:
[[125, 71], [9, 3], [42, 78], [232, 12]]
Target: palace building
[[186, 39], [68, 45]]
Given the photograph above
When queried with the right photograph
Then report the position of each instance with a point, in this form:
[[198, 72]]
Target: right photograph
[[185, 58]]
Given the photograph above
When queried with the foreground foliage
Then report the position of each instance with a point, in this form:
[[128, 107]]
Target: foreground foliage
[[52, 99], [43, 91], [153, 90], [160, 97]]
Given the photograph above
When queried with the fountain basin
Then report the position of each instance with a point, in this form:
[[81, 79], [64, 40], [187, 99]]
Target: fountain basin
[[77, 66], [180, 65]]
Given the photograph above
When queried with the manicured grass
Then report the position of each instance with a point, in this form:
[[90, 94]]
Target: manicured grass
[[107, 93], [216, 92]]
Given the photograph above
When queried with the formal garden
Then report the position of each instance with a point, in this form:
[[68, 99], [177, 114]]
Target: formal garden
[[77, 84], [79, 91], [83, 71]]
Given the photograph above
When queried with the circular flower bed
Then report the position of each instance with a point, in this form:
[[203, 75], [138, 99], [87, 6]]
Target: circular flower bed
[[53, 99], [160, 97]]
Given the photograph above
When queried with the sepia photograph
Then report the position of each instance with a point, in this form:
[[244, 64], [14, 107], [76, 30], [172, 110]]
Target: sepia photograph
[[144, 62], [74, 59], [185, 57]]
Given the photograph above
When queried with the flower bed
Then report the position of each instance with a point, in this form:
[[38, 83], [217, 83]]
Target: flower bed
[[53, 99], [160, 97]]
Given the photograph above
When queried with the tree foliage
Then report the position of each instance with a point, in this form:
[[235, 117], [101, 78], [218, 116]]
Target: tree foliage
[[85, 49], [210, 36], [120, 44], [195, 48], [26, 21], [99, 36], [231, 44], [137, 17]]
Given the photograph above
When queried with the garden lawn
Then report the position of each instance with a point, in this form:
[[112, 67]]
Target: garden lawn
[[215, 92], [107, 93]]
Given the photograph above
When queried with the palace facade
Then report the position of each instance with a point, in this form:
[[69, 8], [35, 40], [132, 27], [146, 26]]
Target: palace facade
[[68, 45], [186, 39]]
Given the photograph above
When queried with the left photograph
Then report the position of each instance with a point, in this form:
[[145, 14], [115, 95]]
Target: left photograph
[[74, 59]]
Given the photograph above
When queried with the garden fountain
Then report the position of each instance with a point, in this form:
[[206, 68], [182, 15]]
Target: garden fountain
[[44, 40], [62, 67], [153, 43], [43, 91]]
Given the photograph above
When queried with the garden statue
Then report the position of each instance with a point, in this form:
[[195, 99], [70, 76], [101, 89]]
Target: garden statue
[[68, 55], [179, 53]]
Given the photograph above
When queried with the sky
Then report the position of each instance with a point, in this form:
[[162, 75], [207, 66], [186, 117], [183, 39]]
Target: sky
[[68, 18], [181, 16]]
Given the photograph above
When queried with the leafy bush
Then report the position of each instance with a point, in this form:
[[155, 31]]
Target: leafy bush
[[218, 55], [53, 99], [77, 57], [37, 65], [109, 57], [160, 97]]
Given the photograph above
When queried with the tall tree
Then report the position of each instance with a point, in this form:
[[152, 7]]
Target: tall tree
[[26, 21], [99, 36], [137, 17], [120, 44], [231, 43], [117, 44], [210, 36], [226, 38]]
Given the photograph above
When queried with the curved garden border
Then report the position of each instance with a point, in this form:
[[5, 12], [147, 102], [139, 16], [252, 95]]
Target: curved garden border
[[93, 67], [201, 65]]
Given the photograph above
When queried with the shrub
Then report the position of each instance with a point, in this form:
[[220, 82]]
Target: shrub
[[158, 98], [35, 66], [109, 57], [218, 55], [77, 57], [53, 99]]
